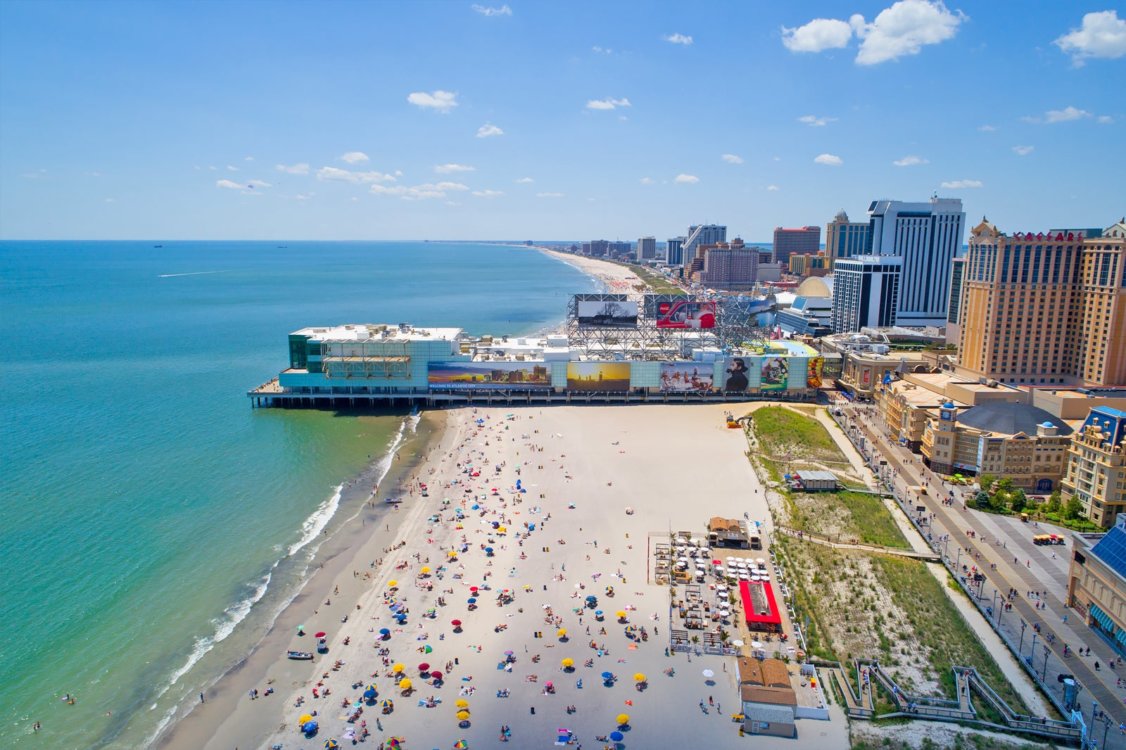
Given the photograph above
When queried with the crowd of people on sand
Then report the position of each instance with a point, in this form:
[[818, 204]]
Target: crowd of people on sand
[[480, 514]]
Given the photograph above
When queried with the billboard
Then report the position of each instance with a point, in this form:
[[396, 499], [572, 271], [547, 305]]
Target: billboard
[[816, 372], [598, 376], [686, 313], [737, 373], [775, 374], [686, 377], [606, 313], [495, 375]]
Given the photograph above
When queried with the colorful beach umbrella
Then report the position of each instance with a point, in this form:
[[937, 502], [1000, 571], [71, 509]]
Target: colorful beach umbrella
[[461, 745], [623, 720], [392, 584], [427, 649], [331, 744], [309, 727], [305, 719]]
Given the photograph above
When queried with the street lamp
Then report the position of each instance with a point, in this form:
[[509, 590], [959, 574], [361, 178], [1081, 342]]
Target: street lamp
[[1032, 650], [1044, 673], [1023, 625]]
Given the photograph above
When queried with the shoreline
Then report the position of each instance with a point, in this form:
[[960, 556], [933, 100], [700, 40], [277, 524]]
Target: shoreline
[[349, 544], [614, 277]]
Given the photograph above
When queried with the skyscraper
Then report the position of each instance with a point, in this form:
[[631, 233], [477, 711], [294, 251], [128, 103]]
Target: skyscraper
[[844, 238], [790, 241], [647, 248], [674, 251], [725, 266], [954, 305], [702, 234], [865, 292], [927, 236]]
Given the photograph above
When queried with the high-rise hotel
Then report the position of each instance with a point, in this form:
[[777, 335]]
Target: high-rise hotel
[[1045, 308]]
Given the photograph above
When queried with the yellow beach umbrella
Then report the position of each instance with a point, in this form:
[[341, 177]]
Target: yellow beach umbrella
[[562, 633], [425, 570], [620, 614], [462, 715], [452, 553], [405, 683], [392, 584], [639, 677], [461, 703], [305, 719], [502, 530], [623, 719], [568, 663], [397, 668]]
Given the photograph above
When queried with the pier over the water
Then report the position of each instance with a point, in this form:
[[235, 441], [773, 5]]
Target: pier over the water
[[656, 349]]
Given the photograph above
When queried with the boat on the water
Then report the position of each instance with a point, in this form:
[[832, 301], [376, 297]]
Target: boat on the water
[[299, 655]]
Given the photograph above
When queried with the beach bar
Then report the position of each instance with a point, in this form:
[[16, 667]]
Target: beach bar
[[760, 609]]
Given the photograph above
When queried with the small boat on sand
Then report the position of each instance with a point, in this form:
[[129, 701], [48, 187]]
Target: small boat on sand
[[299, 655]]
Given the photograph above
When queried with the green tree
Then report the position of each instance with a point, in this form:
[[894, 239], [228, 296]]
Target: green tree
[[1073, 509], [982, 500], [1053, 504], [1018, 501], [986, 481]]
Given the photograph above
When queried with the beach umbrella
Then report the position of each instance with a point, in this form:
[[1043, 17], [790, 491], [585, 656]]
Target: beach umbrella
[[451, 554], [425, 570], [461, 745], [371, 693], [397, 668], [405, 684], [471, 600], [503, 529], [568, 663], [320, 634], [708, 673], [623, 720], [474, 589], [331, 744], [509, 653], [394, 742], [562, 632], [424, 667], [461, 703], [309, 727], [607, 675], [305, 719], [436, 675], [457, 625], [392, 584], [427, 649], [617, 736], [620, 614], [385, 632], [639, 677], [462, 715]]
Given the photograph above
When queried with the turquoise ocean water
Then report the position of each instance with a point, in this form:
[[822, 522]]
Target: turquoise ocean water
[[151, 522]]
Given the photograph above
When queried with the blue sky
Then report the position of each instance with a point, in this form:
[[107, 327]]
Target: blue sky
[[550, 120]]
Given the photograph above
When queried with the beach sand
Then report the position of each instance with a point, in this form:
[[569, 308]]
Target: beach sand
[[617, 279], [676, 466]]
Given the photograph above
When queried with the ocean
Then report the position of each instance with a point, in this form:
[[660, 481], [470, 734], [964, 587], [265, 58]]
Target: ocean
[[151, 522]]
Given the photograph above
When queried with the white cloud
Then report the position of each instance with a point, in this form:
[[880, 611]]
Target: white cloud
[[1104, 119], [910, 161], [987, 128], [354, 157], [343, 175], [424, 191], [831, 160], [816, 122], [451, 168], [1023, 150], [248, 158], [679, 39], [549, 195], [817, 35], [38, 174], [258, 184], [773, 188], [229, 185], [303, 196], [904, 29], [443, 101], [1102, 35], [962, 184], [232, 168], [503, 10], [732, 158], [1067, 114], [111, 200], [525, 181], [488, 193], [686, 179], [488, 130], [301, 168], [647, 181], [608, 103], [602, 50]]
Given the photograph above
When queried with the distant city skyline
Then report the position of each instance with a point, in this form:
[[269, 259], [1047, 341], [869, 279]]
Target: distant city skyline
[[445, 121]]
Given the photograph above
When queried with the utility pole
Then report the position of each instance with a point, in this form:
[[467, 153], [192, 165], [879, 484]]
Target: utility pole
[[1023, 625], [1044, 673]]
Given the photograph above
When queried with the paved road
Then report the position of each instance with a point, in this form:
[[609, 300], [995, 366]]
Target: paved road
[[1011, 563]]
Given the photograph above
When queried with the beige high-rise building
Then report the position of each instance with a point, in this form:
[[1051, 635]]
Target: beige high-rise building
[[1045, 308]]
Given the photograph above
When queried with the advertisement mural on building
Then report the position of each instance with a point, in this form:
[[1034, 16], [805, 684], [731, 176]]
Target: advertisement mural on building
[[606, 313], [598, 376], [686, 313], [737, 372], [686, 377], [775, 374], [496, 375], [816, 371]]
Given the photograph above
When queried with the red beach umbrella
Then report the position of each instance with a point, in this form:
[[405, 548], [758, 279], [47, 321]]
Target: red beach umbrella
[[423, 667], [437, 676], [321, 634]]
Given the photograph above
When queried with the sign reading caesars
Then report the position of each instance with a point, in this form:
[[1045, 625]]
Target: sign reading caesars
[[606, 314], [686, 313], [686, 377], [495, 375]]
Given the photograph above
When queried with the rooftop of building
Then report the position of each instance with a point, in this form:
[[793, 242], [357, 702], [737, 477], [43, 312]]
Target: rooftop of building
[[1111, 549], [1004, 417], [918, 397], [816, 286], [378, 331]]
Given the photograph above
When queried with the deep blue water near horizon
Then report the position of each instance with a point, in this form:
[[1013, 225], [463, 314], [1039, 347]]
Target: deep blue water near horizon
[[145, 505]]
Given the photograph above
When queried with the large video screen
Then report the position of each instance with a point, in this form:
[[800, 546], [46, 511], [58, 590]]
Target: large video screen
[[686, 377], [495, 375], [775, 374], [598, 376], [686, 313], [606, 314]]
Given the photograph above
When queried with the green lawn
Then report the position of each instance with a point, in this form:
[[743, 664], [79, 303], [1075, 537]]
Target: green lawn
[[781, 431], [872, 522]]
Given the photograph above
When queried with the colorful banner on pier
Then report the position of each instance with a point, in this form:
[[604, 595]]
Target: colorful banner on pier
[[686, 377], [816, 372], [606, 313], [592, 377], [738, 373], [775, 374], [489, 375], [686, 313]]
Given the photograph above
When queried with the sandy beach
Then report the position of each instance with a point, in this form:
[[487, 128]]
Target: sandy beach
[[617, 279], [566, 535]]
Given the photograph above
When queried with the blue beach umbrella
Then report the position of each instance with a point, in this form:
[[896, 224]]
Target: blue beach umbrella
[[310, 727], [370, 694], [471, 600], [607, 675], [617, 736]]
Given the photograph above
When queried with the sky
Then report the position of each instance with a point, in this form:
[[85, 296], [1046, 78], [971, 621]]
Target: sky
[[551, 120]]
